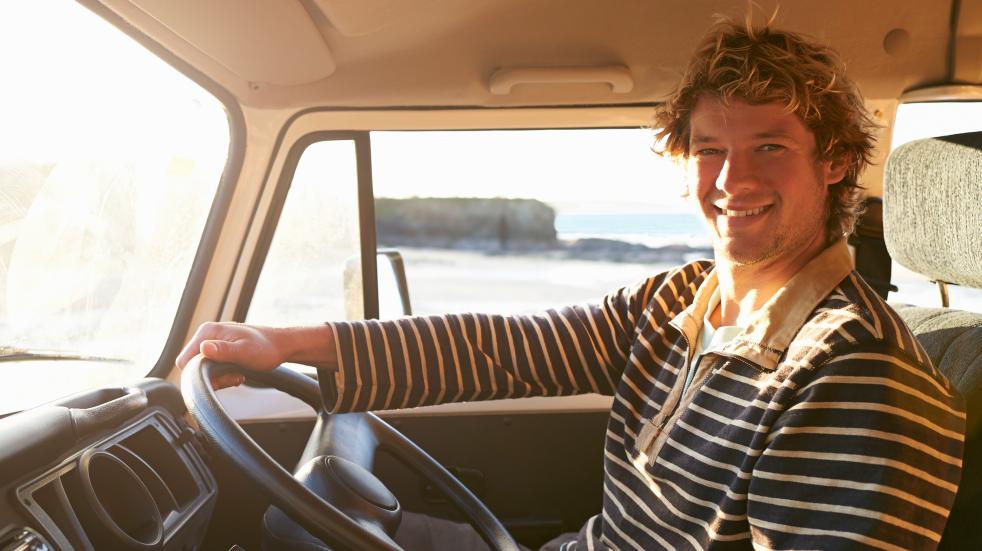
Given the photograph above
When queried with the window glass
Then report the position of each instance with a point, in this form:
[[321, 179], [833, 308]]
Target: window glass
[[109, 161], [311, 273], [926, 120], [520, 221]]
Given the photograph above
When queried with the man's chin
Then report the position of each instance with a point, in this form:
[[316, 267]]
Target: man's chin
[[739, 254]]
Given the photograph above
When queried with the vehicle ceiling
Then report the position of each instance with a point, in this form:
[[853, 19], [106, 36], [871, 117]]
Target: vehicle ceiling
[[394, 53]]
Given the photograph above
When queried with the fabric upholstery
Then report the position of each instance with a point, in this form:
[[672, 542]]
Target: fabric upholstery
[[932, 218], [932, 224], [953, 339]]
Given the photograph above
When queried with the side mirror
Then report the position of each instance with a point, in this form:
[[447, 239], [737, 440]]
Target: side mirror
[[393, 287]]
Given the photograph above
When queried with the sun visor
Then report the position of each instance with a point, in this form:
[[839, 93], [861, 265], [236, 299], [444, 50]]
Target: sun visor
[[263, 41], [363, 17]]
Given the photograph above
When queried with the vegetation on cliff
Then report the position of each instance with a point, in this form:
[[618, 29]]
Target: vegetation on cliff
[[460, 222]]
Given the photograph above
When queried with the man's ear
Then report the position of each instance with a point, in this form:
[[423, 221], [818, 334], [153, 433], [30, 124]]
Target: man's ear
[[834, 170]]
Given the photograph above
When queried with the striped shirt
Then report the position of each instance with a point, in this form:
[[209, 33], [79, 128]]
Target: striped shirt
[[823, 425]]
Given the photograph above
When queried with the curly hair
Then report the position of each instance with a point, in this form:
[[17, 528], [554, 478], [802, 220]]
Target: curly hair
[[762, 65]]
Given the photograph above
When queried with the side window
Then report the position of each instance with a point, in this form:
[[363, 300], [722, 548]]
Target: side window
[[925, 120], [520, 221], [310, 274]]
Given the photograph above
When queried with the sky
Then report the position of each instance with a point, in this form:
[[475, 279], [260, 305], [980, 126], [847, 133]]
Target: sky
[[609, 170], [90, 88]]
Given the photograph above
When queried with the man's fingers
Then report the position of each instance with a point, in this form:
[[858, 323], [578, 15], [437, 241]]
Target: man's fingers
[[227, 380], [206, 331], [212, 350], [190, 351], [222, 351]]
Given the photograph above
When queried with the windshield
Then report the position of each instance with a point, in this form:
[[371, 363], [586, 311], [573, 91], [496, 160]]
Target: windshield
[[109, 161]]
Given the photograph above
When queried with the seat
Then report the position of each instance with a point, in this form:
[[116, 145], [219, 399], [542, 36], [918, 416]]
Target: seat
[[932, 224]]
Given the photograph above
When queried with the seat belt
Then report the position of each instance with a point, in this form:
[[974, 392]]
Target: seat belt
[[873, 262]]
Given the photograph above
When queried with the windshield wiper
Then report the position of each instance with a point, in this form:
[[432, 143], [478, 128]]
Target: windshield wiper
[[15, 354]]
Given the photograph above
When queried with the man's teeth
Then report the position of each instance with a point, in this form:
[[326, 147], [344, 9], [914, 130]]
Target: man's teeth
[[740, 213]]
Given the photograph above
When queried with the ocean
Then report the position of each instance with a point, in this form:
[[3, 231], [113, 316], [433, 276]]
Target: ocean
[[651, 229], [659, 229]]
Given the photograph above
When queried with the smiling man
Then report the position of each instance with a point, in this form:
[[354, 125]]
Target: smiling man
[[764, 194], [767, 398]]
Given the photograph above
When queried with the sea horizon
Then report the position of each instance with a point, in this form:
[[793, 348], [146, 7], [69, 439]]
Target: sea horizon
[[654, 229]]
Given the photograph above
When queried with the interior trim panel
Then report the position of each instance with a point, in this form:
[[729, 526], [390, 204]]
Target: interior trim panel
[[125, 471]]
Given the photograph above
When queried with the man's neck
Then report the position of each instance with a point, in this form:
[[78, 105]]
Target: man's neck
[[745, 288]]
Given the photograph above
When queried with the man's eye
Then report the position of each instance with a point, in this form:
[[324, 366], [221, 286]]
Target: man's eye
[[706, 151], [771, 147]]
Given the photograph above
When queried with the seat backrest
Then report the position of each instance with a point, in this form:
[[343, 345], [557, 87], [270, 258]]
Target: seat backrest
[[932, 224]]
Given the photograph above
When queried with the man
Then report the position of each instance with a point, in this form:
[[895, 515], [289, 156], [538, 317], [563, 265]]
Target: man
[[770, 397]]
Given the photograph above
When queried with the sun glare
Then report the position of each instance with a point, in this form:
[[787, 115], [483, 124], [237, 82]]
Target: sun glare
[[109, 160], [82, 90]]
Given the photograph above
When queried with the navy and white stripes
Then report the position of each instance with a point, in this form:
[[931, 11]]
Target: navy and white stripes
[[843, 435]]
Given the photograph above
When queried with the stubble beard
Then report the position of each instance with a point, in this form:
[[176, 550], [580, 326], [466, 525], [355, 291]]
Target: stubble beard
[[781, 241]]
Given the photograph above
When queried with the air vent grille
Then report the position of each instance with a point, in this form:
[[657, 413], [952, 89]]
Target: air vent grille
[[109, 495], [53, 501], [160, 456], [163, 497]]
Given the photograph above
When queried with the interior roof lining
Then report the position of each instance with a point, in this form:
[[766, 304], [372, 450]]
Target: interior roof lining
[[443, 52]]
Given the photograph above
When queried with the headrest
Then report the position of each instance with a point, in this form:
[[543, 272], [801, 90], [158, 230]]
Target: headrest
[[932, 208]]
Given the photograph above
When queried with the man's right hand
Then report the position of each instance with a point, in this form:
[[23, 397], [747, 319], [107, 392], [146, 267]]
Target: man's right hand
[[258, 348]]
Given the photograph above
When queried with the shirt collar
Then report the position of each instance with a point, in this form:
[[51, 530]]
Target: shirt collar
[[714, 301], [713, 339], [689, 320], [771, 328]]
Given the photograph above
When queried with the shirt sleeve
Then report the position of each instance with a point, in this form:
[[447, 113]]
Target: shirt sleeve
[[867, 455], [417, 361]]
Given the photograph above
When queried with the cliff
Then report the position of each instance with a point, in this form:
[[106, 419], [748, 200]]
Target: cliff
[[512, 226], [465, 223]]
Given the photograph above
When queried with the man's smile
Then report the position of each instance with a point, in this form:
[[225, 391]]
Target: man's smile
[[741, 212]]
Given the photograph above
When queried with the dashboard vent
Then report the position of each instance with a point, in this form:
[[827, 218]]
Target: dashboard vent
[[151, 453], [132, 491]]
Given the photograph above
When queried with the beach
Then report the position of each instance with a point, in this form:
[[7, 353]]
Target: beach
[[447, 280], [444, 280]]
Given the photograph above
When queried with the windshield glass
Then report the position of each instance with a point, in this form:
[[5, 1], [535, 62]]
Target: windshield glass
[[109, 161]]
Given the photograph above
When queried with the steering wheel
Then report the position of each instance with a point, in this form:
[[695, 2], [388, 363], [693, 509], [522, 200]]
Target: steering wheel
[[333, 496]]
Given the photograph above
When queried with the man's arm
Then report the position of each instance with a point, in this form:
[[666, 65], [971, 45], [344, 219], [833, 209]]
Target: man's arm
[[417, 361], [868, 454], [410, 362], [467, 357]]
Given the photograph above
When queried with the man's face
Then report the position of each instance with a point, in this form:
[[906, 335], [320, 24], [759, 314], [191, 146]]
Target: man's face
[[752, 169]]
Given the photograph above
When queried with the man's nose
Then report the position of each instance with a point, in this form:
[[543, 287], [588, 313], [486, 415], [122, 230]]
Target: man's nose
[[736, 174]]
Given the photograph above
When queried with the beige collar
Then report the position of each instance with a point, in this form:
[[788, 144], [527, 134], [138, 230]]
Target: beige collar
[[774, 325]]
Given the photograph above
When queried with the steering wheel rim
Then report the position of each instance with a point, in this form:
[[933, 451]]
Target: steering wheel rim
[[319, 517]]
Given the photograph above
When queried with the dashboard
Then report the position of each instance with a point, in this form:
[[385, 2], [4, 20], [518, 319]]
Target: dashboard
[[112, 468]]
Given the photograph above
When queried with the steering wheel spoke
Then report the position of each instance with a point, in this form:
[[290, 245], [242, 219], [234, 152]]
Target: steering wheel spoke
[[347, 435]]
